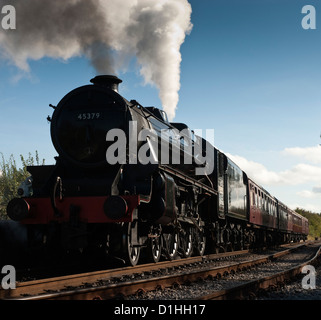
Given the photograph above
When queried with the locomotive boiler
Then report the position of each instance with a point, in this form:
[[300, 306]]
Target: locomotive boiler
[[131, 183]]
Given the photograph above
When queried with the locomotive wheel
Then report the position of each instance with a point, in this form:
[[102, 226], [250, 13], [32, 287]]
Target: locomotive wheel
[[154, 247], [171, 245], [200, 243], [130, 252], [186, 241], [220, 249]]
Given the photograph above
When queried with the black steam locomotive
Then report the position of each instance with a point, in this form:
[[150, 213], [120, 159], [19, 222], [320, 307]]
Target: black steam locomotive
[[130, 182]]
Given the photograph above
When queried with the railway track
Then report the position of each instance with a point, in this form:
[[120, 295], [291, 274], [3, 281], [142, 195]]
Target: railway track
[[250, 288], [63, 283], [139, 280]]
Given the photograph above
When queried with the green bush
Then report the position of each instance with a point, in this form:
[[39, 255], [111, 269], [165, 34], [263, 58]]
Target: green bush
[[314, 222], [11, 176]]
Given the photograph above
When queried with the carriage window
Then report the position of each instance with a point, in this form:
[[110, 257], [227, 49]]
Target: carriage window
[[256, 199], [253, 198], [273, 209]]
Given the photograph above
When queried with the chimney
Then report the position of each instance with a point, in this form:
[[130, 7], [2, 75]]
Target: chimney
[[107, 81]]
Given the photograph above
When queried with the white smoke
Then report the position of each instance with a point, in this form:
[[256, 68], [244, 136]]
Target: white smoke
[[108, 32]]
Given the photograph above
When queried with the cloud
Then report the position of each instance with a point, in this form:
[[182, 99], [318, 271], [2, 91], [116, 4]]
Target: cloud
[[310, 194], [298, 174], [307, 206], [311, 154], [316, 190], [306, 194], [304, 176]]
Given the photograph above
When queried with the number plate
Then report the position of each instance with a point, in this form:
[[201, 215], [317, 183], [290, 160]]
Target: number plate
[[89, 116]]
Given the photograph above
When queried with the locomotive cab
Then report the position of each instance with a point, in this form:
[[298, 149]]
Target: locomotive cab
[[160, 114]]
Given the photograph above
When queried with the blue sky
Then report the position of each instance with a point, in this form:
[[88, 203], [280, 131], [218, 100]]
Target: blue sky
[[249, 71]]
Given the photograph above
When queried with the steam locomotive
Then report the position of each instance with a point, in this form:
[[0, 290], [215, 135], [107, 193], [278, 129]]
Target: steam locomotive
[[135, 185]]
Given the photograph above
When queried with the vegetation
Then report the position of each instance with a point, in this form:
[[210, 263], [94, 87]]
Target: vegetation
[[314, 222], [11, 176]]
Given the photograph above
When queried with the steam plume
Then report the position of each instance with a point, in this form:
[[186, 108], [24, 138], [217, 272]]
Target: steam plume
[[108, 32]]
